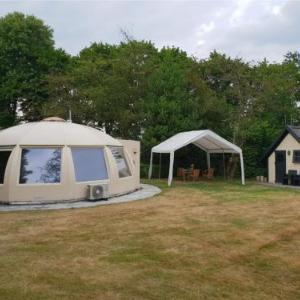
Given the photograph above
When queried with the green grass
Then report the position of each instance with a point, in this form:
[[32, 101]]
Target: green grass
[[203, 240], [231, 190]]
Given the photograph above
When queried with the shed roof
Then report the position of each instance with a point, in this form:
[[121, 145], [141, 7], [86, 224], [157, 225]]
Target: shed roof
[[289, 129], [55, 133], [206, 140]]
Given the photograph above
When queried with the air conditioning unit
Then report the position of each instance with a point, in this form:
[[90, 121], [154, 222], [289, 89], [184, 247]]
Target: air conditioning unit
[[98, 191]]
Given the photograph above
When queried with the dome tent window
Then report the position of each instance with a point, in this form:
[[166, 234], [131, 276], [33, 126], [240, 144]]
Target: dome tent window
[[121, 162], [40, 165], [89, 164], [4, 156]]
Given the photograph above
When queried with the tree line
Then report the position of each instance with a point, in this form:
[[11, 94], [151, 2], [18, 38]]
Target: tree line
[[135, 90]]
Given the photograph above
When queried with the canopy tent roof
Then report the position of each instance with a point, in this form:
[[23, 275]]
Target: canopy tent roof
[[206, 140]]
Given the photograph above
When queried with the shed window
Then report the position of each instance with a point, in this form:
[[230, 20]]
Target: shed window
[[4, 156], [40, 165], [296, 156], [122, 165], [89, 164]]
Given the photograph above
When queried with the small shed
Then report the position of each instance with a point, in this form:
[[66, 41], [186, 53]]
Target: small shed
[[206, 140], [283, 156]]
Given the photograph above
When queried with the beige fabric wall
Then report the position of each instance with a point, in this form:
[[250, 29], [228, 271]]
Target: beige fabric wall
[[68, 189], [288, 144]]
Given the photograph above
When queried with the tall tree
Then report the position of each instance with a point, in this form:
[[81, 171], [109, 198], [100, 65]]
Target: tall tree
[[113, 78], [261, 100], [234, 81], [178, 99], [26, 56]]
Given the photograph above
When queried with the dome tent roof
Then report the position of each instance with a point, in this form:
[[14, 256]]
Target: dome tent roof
[[50, 132]]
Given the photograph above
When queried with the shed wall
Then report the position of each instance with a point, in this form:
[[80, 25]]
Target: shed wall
[[289, 143]]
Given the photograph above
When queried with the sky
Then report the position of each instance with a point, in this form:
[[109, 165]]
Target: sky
[[252, 30]]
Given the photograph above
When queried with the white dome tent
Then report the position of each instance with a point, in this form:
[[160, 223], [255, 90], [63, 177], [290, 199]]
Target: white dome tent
[[54, 160], [206, 140]]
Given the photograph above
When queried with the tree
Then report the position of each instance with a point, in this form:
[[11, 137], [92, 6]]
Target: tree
[[233, 80], [113, 79], [177, 99], [27, 55], [261, 99], [65, 96]]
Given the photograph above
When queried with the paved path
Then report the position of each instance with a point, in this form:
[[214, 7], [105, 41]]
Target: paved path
[[278, 185], [146, 191]]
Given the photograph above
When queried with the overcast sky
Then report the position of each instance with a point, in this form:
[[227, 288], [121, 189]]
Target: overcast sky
[[240, 28]]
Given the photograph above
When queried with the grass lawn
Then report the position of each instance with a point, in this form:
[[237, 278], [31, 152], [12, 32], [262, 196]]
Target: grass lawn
[[210, 240]]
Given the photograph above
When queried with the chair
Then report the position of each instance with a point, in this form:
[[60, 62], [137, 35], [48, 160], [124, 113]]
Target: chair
[[291, 176], [209, 173], [194, 174], [285, 180], [292, 172], [296, 180], [180, 173]]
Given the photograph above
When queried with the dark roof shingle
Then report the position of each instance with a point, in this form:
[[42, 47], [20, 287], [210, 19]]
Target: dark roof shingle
[[293, 130]]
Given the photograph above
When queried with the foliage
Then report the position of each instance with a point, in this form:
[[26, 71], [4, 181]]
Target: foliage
[[261, 100], [135, 90], [177, 99], [27, 54], [114, 79]]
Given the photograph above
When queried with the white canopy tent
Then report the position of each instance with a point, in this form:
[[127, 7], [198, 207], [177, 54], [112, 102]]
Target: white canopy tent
[[206, 140]]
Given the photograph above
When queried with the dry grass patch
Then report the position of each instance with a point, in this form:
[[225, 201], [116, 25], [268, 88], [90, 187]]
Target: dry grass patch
[[195, 241]]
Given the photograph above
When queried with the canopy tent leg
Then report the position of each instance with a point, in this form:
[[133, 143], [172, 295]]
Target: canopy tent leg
[[208, 160], [150, 167], [159, 170], [224, 168], [171, 168], [242, 168]]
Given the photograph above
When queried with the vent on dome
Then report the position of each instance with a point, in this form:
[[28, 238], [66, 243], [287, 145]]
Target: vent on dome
[[54, 119]]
